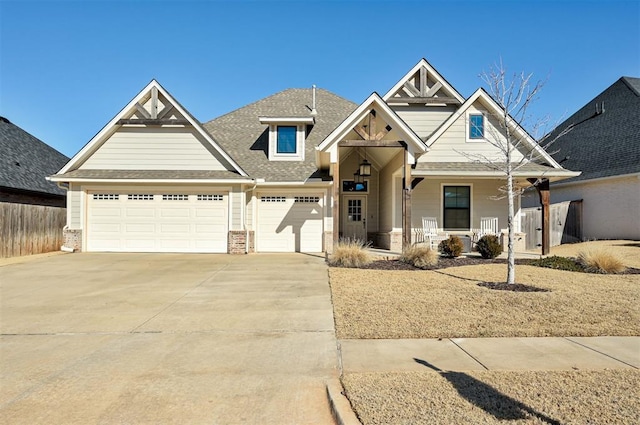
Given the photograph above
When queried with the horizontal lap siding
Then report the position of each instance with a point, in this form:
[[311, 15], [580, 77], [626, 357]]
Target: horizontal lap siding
[[73, 204], [154, 149], [452, 145], [424, 121], [426, 201]]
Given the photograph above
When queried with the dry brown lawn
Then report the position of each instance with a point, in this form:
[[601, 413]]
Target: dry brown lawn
[[494, 397], [448, 303], [627, 251]]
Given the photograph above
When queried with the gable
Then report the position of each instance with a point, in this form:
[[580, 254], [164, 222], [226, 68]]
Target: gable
[[454, 142], [153, 132], [373, 121], [453, 135], [423, 85]]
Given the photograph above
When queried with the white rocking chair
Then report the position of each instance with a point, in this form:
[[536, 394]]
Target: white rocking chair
[[488, 226], [431, 232]]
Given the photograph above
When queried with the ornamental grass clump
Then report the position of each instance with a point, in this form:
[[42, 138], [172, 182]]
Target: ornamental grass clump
[[421, 257], [350, 253], [600, 262], [451, 247], [489, 246]]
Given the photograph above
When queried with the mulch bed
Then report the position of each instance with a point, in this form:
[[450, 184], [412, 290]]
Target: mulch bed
[[515, 287], [444, 263]]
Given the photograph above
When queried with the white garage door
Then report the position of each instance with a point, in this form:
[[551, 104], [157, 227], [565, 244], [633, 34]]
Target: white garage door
[[157, 222], [287, 223]]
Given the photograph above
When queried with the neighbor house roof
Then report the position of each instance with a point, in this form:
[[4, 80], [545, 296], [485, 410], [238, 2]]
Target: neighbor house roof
[[605, 139], [241, 134], [25, 161]]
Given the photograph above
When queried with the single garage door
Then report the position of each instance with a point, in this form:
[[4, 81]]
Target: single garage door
[[157, 222], [287, 223]]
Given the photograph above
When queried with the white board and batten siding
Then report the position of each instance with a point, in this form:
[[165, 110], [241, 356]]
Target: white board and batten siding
[[289, 222], [148, 220], [167, 148]]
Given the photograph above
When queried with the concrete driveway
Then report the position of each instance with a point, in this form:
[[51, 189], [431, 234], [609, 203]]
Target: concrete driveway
[[166, 338]]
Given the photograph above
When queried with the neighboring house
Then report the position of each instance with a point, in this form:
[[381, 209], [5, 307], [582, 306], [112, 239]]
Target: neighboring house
[[25, 162], [281, 174], [604, 144]]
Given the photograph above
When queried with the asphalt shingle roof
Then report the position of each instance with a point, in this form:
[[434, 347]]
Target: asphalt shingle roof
[[247, 141], [25, 160], [605, 144]]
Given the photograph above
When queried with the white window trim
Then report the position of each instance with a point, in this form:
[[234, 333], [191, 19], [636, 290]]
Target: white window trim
[[273, 142], [467, 126]]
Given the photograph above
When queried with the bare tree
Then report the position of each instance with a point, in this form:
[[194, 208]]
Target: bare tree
[[513, 95]]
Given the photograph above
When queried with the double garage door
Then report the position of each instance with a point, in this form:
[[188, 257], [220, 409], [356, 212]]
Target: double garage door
[[157, 222]]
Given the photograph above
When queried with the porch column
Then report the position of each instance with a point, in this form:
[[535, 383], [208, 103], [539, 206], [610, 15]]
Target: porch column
[[406, 201], [336, 204], [543, 191]]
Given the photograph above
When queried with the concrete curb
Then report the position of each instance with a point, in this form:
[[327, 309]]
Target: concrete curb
[[340, 405]]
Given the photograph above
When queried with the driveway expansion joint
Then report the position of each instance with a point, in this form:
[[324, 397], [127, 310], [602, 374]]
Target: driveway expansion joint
[[468, 354], [600, 352]]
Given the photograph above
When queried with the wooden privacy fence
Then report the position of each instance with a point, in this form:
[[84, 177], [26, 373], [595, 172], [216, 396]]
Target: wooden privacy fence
[[565, 219], [30, 229]]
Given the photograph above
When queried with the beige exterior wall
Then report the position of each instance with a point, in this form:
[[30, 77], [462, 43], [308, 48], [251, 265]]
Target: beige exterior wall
[[347, 167], [451, 145], [424, 120], [139, 148], [388, 194], [74, 205], [427, 201], [610, 207], [236, 199]]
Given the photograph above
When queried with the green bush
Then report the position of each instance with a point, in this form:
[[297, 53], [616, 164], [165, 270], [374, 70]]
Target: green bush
[[451, 247], [558, 263], [421, 257], [350, 253], [489, 246]]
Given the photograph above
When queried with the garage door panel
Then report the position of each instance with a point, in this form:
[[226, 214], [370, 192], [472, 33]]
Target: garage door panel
[[157, 222], [288, 223], [146, 212]]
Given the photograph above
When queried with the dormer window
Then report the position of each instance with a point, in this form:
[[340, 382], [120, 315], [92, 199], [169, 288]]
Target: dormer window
[[287, 137]]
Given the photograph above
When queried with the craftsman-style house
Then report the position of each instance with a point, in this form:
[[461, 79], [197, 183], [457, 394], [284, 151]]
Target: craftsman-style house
[[292, 172]]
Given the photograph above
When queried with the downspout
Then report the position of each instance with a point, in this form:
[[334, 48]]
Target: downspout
[[65, 187]]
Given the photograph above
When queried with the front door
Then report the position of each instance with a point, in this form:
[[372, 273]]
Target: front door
[[354, 217]]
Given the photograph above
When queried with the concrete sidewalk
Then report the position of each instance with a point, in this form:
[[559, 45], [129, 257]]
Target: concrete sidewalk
[[463, 354]]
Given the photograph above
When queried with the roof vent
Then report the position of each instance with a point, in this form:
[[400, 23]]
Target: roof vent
[[313, 101]]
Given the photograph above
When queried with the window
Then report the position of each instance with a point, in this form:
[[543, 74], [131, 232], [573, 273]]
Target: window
[[106, 196], [351, 186], [209, 197], [307, 199], [273, 199], [175, 197], [476, 126], [140, 197], [457, 207], [286, 139]]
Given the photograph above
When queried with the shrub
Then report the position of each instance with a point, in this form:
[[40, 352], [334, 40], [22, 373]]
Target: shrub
[[600, 262], [350, 253], [421, 257], [489, 246], [558, 263], [451, 247]]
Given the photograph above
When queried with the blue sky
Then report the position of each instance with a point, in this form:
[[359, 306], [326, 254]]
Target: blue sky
[[67, 67]]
